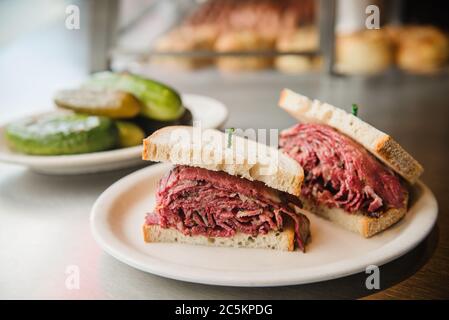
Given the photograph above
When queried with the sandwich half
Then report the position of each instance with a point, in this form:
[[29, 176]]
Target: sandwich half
[[355, 175], [219, 194]]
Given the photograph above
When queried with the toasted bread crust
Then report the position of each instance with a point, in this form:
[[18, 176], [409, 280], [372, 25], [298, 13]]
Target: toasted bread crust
[[358, 222], [392, 154], [372, 226]]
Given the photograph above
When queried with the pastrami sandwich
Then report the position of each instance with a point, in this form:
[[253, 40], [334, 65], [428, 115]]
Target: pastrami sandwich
[[219, 194], [355, 175]]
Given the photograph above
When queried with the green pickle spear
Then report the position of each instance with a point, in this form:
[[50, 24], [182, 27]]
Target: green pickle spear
[[160, 102], [62, 133], [110, 103], [129, 134]]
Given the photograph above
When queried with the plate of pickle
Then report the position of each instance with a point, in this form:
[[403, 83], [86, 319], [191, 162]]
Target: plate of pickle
[[100, 125]]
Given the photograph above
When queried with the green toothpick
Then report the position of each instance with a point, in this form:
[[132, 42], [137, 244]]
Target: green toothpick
[[230, 131], [355, 109]]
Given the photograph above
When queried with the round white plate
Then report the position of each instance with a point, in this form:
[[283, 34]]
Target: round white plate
[[209, 112], [118, 215]]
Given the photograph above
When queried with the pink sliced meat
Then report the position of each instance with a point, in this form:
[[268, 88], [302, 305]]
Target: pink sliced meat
[[197, 201], [341, 173]]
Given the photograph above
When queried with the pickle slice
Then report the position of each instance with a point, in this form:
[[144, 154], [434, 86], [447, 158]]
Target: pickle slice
[[160, 102], [109, 103], [62, 133], [129, 134]]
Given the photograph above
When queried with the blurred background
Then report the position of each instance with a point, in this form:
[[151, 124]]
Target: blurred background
[[218, 36], [389, 57], [235, 50]]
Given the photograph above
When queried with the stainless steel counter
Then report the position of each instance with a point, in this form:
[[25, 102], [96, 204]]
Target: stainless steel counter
[[44, 220]]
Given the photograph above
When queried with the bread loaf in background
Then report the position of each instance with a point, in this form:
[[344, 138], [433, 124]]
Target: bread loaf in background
[[416, 49], [237, 25], [301, 39], [420, 49], [186, 39], [241, 41], [363, 52]]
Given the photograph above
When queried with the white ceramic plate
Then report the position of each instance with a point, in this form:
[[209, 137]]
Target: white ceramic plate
[[118, 215], [209, 112]]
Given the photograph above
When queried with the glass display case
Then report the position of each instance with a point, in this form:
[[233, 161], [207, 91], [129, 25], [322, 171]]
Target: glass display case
[[287, 36], [227, 35]]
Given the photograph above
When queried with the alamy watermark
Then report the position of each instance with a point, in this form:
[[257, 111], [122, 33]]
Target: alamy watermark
[[373, 19], [235, 147], [72, 17], [373, 280], [72, 280]]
